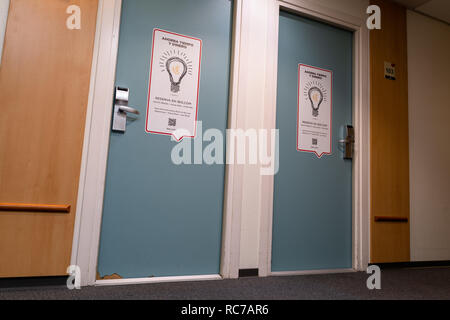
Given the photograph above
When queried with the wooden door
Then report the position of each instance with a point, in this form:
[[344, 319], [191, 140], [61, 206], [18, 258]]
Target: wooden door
[[389, 138], [44, 87]]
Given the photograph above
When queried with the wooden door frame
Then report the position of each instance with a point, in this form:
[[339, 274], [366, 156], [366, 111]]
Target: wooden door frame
[[95, 156], [361, 121]]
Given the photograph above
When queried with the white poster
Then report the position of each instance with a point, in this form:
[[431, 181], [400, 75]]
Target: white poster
[[174, 84], [314, 110]]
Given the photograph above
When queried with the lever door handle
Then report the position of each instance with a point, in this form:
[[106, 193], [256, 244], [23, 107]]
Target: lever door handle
[[128, 110], [121, 109], [348, 142]]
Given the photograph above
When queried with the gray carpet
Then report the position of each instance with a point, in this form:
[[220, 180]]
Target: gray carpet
[[426, 283]]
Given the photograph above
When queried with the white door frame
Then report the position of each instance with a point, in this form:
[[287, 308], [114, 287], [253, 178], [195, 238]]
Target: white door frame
[[361, 119], [95, 156], [4, 9]]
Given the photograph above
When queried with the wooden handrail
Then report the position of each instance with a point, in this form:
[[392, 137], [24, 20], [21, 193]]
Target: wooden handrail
[[26, 207], [390, 219]]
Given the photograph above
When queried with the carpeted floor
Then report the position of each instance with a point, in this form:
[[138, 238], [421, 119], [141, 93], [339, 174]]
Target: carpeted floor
[[426, 283]]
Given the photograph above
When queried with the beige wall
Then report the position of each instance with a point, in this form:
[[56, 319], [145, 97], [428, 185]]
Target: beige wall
[[4, 6], [429, 133]]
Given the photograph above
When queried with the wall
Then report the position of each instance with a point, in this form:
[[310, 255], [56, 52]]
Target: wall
[[252, 71], [4, 6], [429, 131], [356, 8], [256, 18]]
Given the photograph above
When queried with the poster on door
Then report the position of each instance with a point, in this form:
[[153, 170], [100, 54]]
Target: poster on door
[[174, 84], [314, 110]]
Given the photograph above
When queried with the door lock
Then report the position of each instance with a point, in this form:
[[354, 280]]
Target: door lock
[[348, 142], [121, 109]]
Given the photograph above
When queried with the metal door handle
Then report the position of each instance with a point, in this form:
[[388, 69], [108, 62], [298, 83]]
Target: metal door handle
[[121, 109], [128, 109], [348, 142]]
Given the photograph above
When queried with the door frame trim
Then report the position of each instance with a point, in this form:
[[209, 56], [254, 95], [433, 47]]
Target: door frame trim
[[4, 17], [88, 218], [361, 122]]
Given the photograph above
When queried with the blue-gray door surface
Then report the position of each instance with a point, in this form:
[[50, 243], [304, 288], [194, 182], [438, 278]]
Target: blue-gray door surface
[[312, 219], [160, 219]]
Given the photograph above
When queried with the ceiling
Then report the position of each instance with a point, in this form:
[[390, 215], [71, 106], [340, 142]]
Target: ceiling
[[439, 9]]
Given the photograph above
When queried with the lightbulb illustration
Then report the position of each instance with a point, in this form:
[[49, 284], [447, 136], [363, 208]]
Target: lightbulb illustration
[[177, 69], [316, 97]]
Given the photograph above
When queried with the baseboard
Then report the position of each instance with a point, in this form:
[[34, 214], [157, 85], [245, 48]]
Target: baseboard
[[413, 264], [33, 282]]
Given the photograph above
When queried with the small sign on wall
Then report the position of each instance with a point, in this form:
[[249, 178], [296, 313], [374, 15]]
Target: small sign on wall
[[389, 71]]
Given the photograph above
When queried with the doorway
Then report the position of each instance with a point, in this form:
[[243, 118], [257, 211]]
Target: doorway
[[312, 206], [162, 219]]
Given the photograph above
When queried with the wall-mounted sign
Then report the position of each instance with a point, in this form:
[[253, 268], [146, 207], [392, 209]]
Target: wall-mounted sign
[[314, 110], [389, 70], [174, 84]]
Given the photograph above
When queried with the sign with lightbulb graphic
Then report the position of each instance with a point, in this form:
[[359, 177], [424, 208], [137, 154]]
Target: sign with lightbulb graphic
[[174, 84], [314, 121]]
